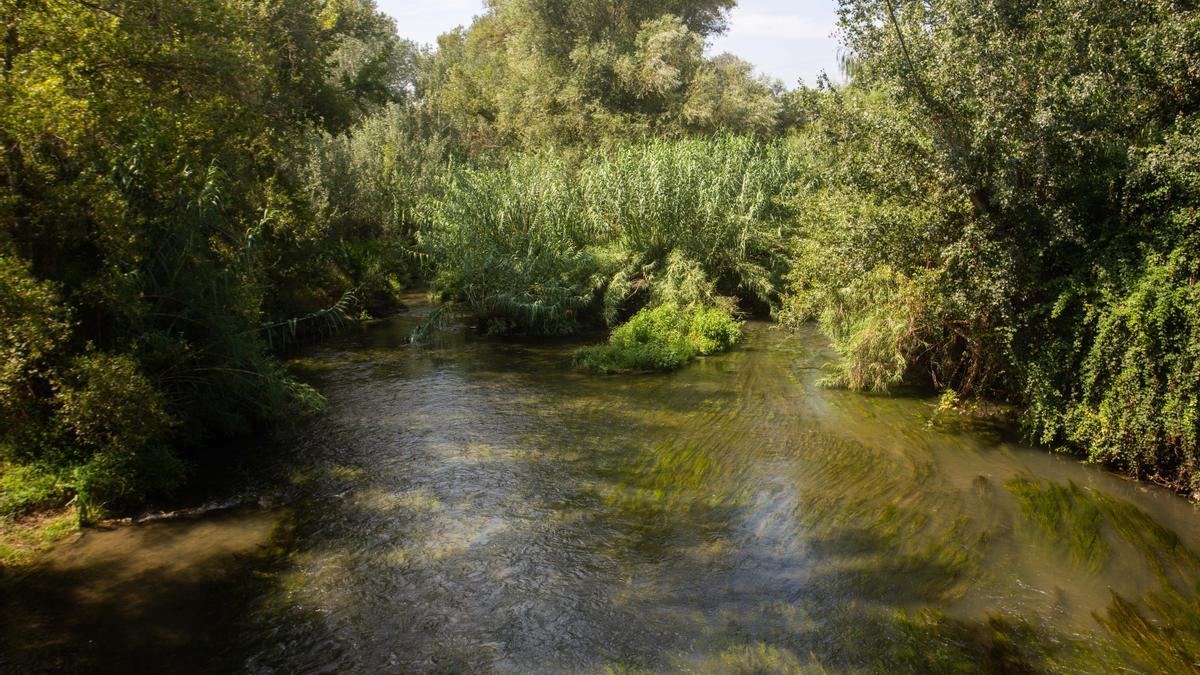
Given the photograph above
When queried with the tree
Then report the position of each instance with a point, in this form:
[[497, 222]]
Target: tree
[[146, 196]]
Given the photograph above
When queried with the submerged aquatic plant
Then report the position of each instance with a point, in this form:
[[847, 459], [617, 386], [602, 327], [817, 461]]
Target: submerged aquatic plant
[[1063, 514]]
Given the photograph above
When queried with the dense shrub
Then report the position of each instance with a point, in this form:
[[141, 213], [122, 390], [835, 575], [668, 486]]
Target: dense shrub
[[1003, 202], [365, 186], [714, 330], [1117, 370], [154, 224], [663, 338], [1135, 402], [34, 325], [514, 246], [719, 203]]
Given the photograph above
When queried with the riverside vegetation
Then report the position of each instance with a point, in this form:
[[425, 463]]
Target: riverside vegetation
[[996, 206], [1001, 202]]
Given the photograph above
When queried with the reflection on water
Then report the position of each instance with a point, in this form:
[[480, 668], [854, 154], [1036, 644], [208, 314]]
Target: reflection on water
[[478, 506]]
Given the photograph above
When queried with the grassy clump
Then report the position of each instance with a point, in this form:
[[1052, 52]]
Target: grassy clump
[[718, 203], [24, 488], [21, 539], [663, 338], [513, 246]]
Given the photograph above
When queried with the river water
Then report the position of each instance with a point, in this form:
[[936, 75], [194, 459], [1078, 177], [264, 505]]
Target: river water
[[477, 505]]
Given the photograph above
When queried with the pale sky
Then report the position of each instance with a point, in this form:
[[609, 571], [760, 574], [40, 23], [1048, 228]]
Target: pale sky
[[785, 39]]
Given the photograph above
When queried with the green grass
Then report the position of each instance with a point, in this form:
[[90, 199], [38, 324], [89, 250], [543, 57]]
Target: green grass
[[27, 487], [21, 540]]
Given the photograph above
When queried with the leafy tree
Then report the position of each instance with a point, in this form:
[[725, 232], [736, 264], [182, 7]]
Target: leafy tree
[[550, 73], [147, 206], [1001, 186]]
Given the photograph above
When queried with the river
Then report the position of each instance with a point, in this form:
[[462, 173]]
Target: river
[[477, 505]]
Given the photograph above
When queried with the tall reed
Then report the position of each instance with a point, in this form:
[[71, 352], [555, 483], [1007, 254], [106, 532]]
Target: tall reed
[[539, 246]]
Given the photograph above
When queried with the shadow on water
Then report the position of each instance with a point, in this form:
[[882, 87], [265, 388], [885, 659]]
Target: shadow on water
[[159, 597], [478, 506]]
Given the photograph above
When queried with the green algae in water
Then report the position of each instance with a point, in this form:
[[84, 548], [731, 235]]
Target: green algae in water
[[482, 507], [1075, 518], [1168, 643], [1063, 515], [1163, 632]]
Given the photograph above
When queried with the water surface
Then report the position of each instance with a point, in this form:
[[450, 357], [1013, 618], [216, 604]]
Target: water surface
[[474, 506]]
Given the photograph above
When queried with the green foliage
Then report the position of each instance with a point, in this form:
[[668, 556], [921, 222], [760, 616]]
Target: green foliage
[[990, 207], [654, 339], [1002, 201], [106, 403], [875, 324], [364, 187], [719, 203], [1136, 401], [33, 327], [876, 258], [542, 247], [26, 487], [154, 218], [532, 74], [512, 244], [714, 330], [663, 338], [1123, 382]]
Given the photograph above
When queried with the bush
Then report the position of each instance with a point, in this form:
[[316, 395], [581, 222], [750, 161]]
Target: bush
[[26, 487], [1013, 217], [1134, 400], [33, 327], [115, 421], [663, 338], [714, 330], [719, 202]]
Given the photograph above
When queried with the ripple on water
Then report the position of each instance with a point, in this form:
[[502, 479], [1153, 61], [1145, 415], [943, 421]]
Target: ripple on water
[[480, 506]]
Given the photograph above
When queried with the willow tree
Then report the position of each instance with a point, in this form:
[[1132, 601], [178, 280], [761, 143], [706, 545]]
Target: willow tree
[[534, 73]]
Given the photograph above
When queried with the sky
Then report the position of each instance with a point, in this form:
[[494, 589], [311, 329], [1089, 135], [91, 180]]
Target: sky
[[785, 39]]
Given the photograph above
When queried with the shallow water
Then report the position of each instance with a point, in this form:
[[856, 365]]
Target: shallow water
[[479, 506]]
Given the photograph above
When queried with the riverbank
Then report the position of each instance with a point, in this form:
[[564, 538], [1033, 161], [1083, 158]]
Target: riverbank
[[22, 539]]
